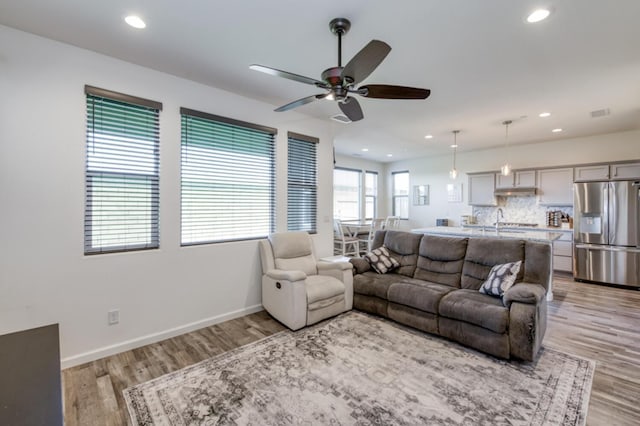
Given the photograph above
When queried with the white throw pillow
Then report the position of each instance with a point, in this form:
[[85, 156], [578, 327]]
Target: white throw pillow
[[381, 261], [501, 278]]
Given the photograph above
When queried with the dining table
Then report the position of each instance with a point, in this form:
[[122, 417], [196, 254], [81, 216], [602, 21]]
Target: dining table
[[357, 227]]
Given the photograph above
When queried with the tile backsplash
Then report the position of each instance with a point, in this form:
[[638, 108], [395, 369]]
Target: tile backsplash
[[517, 209]]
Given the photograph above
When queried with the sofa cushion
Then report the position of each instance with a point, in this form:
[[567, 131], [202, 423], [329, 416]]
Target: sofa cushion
[[381, 261], [424, 296], [440, 260], [373, 284], [483, 254], [500, 279], [403, 246], [475, 308]]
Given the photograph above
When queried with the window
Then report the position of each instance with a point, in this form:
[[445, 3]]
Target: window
[[346, 193], [227, 179], [302, 186], [122, 172], [370, 194], [401, 194]]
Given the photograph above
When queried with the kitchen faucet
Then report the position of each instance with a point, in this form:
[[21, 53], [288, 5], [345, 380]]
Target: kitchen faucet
[[499, 215]]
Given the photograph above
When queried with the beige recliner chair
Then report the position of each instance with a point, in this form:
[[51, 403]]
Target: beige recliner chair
[[297, 290]]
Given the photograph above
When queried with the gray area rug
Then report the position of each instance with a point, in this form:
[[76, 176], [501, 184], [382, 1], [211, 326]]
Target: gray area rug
[[361, 370]]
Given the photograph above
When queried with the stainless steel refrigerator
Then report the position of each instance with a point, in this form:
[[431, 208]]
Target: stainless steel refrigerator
[[607, 232]]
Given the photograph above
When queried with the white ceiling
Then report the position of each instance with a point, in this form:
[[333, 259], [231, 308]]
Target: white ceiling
[[483, 63]]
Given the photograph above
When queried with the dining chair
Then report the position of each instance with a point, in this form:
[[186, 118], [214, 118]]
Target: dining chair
[[376, 225], [344, 244], [392, 222]]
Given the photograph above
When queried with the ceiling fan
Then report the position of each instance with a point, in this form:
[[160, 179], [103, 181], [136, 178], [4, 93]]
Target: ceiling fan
[[341, 82]]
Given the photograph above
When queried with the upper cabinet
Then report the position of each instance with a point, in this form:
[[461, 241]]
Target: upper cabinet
[[587, 173], [555, 187], [625, 171], [517, 179], [602, 172], [481, 188]]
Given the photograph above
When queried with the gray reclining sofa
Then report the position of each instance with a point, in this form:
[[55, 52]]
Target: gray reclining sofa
[[435, 289]]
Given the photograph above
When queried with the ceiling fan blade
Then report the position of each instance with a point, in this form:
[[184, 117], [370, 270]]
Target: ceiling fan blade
[[365, 61], [300, 102], [289, 75], [351, 108], [385, 91]]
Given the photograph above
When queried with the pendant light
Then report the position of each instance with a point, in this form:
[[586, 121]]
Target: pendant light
[[506, 168], [453, 173]]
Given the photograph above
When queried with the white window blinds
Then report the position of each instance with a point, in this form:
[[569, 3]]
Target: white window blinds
[[227, 179], [122, 172], [401, 194], [302, 186]]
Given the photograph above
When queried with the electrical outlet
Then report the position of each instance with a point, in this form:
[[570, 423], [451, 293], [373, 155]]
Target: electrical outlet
[[113, 316]]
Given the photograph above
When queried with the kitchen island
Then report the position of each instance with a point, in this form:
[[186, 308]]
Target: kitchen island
[[490, 232]]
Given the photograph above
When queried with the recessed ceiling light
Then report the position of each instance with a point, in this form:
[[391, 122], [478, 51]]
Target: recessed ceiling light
[[365, 149], [135, 21], [558, 130], [389, 155], [428, 136], [538, 15], [544, 114], [455, 145]]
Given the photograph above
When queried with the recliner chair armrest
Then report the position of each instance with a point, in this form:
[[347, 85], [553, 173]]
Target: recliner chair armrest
[[323, 266], [524, 293], [279, 274]]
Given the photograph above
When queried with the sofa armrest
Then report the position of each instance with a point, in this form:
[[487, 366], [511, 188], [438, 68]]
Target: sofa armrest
[[528, 293], [279, 274], [360, 265], [340, 266]]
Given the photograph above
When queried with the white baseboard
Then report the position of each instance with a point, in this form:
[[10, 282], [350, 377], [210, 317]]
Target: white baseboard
[[105, 351]]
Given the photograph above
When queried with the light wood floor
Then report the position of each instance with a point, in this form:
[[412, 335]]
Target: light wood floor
[[597, 322]]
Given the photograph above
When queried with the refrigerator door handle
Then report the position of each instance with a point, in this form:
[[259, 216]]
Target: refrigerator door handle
[[637, 185], [611, 214], [607, 217]]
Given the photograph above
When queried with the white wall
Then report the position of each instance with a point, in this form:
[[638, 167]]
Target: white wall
[[44, 276], [434, 171]]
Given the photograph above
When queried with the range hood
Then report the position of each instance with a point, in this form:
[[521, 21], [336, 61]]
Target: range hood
[[515, 192]]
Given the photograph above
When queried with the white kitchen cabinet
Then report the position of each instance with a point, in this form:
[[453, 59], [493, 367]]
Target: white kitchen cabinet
[[517, 179], [591, 173], [504, 181], [555, 187], [625, 171], [481, 188], [563, 253], [525, 179]]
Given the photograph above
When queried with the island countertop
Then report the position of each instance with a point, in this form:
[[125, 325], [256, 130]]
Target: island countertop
[[542, 236]]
